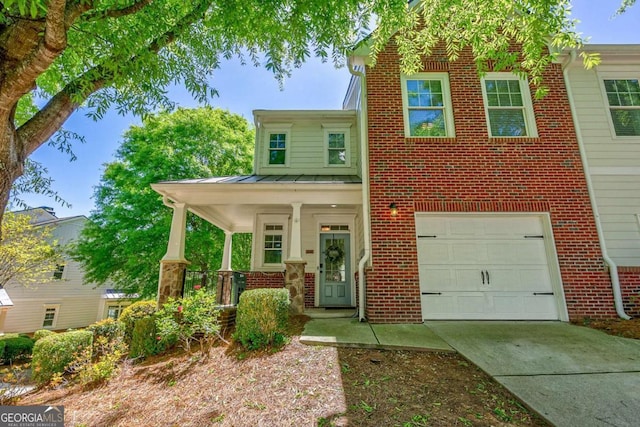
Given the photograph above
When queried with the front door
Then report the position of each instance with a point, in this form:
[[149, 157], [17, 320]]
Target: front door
[[335, 270]]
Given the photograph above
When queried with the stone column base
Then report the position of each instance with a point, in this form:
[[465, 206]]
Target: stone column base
[[171, 280], [223, 289], [294, 282]]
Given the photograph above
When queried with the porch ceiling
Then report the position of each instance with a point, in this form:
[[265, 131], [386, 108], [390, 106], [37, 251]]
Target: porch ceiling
[[231, 203]]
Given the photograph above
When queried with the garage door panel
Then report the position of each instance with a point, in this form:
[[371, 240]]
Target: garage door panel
[[483, 306], [518, 278], [447, 278]]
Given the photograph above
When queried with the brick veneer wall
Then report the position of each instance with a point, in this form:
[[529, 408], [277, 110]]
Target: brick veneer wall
[[481, 173], [630, 288], [258, 279]]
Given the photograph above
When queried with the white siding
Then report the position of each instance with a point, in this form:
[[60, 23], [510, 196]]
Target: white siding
[[79, 304], [614, 162], [306, 145]]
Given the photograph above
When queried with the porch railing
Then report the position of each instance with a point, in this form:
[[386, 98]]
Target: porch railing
[[194, 280]]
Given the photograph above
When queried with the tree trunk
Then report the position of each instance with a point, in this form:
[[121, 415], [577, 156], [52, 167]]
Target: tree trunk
[[11, 160]]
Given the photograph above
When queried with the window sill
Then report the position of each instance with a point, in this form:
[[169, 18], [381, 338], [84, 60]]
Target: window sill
[[512, 139], [430, 139]]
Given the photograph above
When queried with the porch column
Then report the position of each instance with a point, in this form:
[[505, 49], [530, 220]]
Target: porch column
[[295, 249], [225, 274], [173, 265], [294, 265]]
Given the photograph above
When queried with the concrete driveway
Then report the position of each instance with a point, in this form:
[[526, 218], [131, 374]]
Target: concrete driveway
[[572, 376]]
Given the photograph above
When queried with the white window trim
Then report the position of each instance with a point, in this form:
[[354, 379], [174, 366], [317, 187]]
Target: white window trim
[[605, 99], [63, 274], [55, 316], [525, 91], [337, 128], [270, 129], [448, 106], [258, 249]]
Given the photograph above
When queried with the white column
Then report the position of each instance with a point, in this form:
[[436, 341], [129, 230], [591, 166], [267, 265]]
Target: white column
[[226, 255], [175, 248], [295, 249]]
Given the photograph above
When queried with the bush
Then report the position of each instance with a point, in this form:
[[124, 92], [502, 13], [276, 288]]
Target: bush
[[133, 312], [108, 336], [52, 354], [189, 319], [16, 347], [41, 333], [262, 318], [144, 340]]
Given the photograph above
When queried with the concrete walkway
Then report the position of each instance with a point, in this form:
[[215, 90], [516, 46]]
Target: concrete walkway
[[570, 375]]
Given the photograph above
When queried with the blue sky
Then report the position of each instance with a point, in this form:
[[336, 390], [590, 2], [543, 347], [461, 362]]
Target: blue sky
[[245, 88]]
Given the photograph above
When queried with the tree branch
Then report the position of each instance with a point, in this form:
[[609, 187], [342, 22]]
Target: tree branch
[[118, 13], [46, 122]]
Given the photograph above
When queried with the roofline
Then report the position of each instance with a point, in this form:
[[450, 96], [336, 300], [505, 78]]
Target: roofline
[[316, 114], [60, 220]]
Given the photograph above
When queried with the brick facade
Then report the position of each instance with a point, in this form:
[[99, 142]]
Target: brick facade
[[474, 173], [258, 279]]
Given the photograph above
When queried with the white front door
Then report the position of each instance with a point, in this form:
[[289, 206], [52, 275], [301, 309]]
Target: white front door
[[484, 267], [335, 270]]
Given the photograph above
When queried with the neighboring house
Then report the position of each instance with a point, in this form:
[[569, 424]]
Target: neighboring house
[[455, 196], [62, 302], [606, 102]]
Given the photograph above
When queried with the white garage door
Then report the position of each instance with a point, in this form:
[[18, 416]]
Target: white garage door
[[481, 267]]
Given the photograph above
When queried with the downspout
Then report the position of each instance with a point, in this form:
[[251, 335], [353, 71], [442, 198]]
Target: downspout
[[613, 268], [364, 162]]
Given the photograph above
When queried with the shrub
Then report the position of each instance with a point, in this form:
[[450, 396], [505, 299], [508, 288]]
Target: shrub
[[17, 347], [135, 311], [108, 336], [41, 333], [52, 354], [144, 340], [262, 318], [189, 319]]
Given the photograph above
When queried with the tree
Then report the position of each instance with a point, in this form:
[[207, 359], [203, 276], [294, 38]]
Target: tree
[[28, 254], [127, 234], [125, 53]]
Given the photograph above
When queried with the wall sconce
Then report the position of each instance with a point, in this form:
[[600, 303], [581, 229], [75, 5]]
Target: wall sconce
[[393, 209]]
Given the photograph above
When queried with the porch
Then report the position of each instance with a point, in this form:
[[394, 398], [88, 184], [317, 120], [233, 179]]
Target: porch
[[307, 234]]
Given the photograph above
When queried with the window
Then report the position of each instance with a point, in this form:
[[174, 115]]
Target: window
[[115, 310], [277, 148], [273, 243], [508, 105], [337, 145], [50, 315], [427, 105], [58, 272], [624, 104]]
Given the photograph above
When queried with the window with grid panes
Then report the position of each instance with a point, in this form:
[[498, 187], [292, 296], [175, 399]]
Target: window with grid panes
[[277, 148], [508, 106], [49, 317], [273, 234], [336, 146], [623, 96], [427, 108]]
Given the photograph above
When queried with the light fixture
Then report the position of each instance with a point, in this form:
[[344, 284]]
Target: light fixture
[[393, 209], [334, 206]]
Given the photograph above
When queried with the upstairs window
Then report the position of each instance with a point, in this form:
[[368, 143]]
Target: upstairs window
[[337, 145], [508, 106], [58, 272], [624, 104], [277, 148], [427, 105]]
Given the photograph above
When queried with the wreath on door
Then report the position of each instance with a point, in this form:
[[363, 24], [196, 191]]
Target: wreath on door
[[334, 254]]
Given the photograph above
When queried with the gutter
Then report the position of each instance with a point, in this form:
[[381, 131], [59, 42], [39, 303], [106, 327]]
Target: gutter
[[364, 162], [613, 268]]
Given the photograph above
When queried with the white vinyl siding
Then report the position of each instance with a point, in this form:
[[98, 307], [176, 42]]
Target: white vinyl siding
[[614, 161], [426, 105], [307, 152], [508, 107]]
